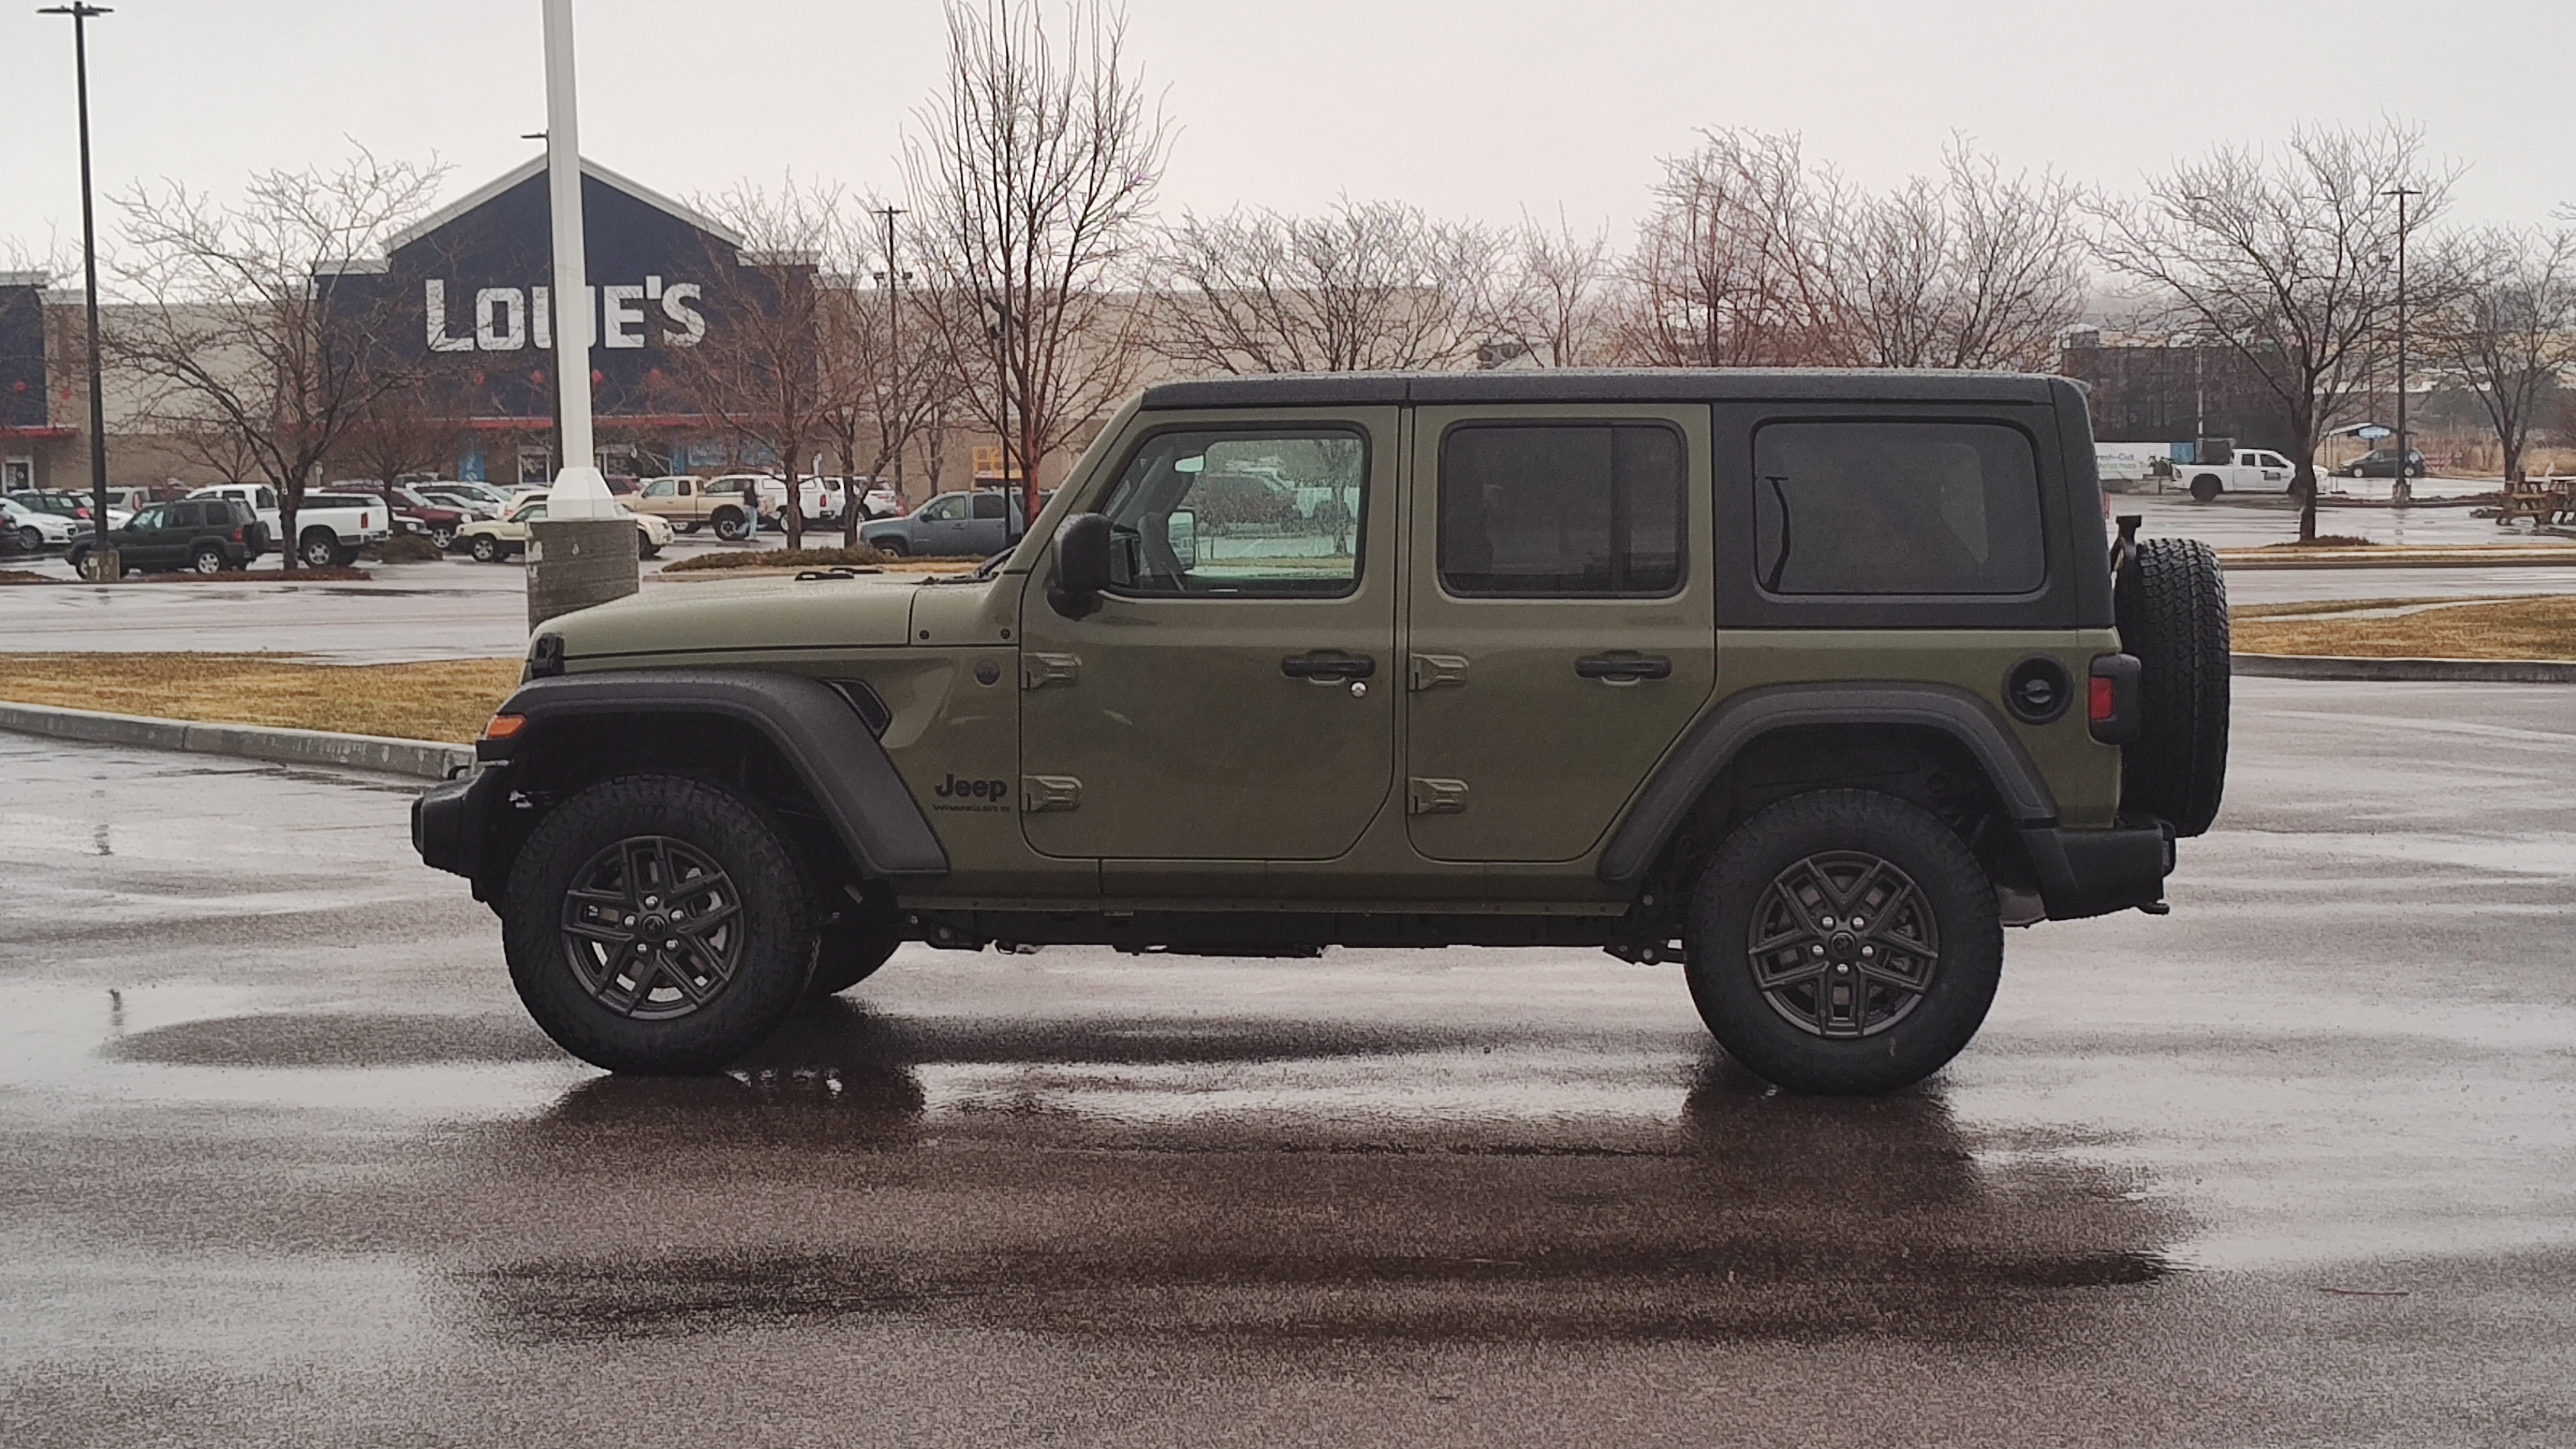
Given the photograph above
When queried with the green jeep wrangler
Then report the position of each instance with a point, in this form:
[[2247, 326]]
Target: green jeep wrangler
[[1811, 682]]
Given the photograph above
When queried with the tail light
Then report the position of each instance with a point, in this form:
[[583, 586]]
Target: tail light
[[2113, 700], [237, 533]]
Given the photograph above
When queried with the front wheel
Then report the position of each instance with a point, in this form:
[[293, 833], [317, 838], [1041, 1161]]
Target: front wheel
[[892, 546], [444, 536], [30, 539], [1844, 941], [732, 527], [645, 547], [658, 925]]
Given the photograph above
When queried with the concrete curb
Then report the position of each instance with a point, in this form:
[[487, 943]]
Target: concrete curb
[[421, 759], [2236, 560], [2454, 671]]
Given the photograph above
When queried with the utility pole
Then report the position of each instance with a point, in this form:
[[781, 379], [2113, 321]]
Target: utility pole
[[2403, 490], [104, 564], [894, 344]]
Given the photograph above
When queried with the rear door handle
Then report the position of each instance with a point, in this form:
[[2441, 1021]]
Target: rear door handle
[[1622, 667], [1328, 666]]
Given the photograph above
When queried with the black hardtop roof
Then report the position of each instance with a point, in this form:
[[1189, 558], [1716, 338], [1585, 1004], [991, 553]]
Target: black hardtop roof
[[1608, 384]]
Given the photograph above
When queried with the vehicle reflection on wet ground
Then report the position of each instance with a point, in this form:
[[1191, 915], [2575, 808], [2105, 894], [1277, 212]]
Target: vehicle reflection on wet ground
[[281, 1163]]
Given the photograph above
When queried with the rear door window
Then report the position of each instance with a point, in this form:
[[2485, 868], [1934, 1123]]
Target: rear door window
[[1864, 507], [988, 505], [1561, 510]]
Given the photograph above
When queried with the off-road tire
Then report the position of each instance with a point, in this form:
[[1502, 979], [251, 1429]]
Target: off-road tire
[[2171, 606], [730, 525], [2205, 488], [320, 548], [772, 962], [1948, 887], [852, 948], [485, 548], [207, 561]]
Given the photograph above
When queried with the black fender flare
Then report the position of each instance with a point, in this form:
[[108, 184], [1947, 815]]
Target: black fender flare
[[1721, 735], [813, 726]]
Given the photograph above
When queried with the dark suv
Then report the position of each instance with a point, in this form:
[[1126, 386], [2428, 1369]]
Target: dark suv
[[201, 535]]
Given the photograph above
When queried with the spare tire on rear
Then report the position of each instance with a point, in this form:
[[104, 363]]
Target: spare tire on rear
[[2171, 606]]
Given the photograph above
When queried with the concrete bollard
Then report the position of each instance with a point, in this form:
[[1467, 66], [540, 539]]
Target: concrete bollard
[[574, 563]]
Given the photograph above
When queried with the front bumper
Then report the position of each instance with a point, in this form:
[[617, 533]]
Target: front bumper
[[452, 824], [2095, 872]]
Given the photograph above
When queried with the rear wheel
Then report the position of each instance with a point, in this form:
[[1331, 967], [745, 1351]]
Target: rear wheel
[[732, 526], [2204, 488], [320, 548], [207, 560], [443, 535], [658, 925], [2171, 605], [1843, 941]]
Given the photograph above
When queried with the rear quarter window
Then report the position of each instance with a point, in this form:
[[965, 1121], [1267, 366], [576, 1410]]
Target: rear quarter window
[[1865, 507]]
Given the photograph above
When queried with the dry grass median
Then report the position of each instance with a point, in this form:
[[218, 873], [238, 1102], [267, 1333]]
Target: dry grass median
[[446, 700], [2542, 627]]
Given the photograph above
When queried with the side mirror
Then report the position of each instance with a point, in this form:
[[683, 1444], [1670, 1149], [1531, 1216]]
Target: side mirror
[[1081, 565]]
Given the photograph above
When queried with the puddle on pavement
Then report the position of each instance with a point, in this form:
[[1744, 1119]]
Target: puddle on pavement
[[337, 1040]]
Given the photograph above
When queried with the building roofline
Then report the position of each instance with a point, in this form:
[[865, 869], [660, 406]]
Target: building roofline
[[532, 166], [25, 279]]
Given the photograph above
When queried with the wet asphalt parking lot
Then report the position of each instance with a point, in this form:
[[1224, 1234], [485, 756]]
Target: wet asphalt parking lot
[[282, 1163]]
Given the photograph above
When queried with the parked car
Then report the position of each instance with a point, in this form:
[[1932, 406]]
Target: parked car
[[1958, 701], [206, 536], [2382, 463], [883, 502], [480, 499], [64, 503], [689, 503], [974, 525], [2252, 470], [491, 540], [36, 529], [412, 512], [330, 527]]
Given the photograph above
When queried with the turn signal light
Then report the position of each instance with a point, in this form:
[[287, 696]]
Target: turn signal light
[[505, 726], [2104, 706]]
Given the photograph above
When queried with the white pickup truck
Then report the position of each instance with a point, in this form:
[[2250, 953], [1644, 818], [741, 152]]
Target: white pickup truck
[[2255, 470], [330, 527]]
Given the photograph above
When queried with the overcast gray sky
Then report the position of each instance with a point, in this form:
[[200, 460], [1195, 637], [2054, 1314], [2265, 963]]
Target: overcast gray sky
[[1467, 109]]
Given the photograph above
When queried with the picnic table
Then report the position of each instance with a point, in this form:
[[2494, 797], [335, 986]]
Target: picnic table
[[2544, 501]]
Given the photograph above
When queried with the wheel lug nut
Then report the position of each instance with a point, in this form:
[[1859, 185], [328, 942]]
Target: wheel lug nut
[[1829, 923], [1817, 950], [630, 920], [1858, 923], [1869, 950]]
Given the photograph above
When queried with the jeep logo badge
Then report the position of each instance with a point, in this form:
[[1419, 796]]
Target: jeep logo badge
[[953, 788]]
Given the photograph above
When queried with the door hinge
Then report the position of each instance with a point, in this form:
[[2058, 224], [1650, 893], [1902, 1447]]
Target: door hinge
[[1437, 797], [1037, 671], [1042, 793], [1432, 670]]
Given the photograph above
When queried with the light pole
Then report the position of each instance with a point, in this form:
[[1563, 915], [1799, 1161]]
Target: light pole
[[104, 565], [2402, 491], [894, 341]]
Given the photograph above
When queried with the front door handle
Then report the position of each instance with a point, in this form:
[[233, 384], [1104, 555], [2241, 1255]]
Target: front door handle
[[1621, 667], [1326, 666]]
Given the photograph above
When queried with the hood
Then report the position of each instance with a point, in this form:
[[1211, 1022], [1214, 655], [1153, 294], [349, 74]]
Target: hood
[[748, 614]]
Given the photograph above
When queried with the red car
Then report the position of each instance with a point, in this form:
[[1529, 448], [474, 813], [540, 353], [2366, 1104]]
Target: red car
[[412, 512]]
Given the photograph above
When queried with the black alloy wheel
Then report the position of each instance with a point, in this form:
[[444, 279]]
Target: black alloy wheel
[[652, 928], [1843, 944], [658, 924], [731, 526], [1843, 941]]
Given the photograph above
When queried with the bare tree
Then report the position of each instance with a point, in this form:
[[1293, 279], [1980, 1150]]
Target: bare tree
[[1977, 270], [759, 370], [1368, 285], [410, 429], [1551, 307], [2283, 259], [1032, 179], [1736, 266], [238, 328], [883, 367], [2510, 333]]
